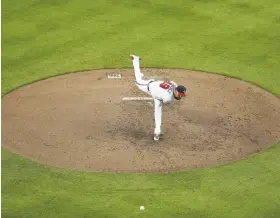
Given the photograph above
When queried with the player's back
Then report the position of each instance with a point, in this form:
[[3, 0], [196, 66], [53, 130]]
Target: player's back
[[162, 90]]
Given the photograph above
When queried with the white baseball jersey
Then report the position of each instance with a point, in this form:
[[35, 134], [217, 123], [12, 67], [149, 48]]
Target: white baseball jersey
[[162, 91]]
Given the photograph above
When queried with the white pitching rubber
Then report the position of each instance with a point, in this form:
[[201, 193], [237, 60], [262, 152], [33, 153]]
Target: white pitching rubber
[[137, 99]]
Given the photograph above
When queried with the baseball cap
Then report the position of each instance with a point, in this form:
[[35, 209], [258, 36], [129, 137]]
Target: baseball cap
[[182, 90]]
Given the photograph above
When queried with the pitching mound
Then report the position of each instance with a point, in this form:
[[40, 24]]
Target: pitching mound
[[81, 121]]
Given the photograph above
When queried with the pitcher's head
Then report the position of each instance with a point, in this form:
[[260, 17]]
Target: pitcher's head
[[179, 92]]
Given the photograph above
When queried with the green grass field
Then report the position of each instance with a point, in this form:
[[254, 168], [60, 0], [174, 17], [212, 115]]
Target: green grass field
[[233, 37]]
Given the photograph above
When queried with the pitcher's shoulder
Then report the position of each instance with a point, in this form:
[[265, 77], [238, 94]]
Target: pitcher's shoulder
[[173, 83]]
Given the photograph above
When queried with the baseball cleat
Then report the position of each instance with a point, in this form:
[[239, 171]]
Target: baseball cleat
[[156, 137], [135, 57]]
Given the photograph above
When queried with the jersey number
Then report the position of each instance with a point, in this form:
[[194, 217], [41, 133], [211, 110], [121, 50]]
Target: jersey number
[[165, 85]]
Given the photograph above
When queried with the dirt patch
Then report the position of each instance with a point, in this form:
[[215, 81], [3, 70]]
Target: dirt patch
[[79, 121]]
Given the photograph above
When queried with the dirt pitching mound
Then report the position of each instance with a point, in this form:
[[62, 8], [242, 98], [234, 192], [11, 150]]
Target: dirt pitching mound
[[80, 121]]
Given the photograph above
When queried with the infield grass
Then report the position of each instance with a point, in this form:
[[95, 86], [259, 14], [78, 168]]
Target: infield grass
[[45, 38]]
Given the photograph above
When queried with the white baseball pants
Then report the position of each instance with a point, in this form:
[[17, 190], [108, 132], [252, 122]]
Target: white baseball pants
[[143, 86]]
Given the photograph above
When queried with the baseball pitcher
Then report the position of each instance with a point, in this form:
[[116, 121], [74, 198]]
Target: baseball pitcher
[[163, 92]]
